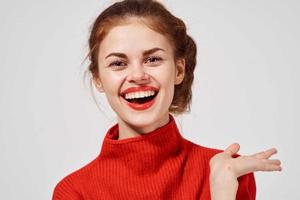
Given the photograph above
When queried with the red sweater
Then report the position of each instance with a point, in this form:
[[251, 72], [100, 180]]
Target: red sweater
[[158, 165]]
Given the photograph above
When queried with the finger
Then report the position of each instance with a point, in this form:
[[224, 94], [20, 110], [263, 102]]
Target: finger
[[247, 164], [268, 165], [274, 162], [265, 154], [232, 149]]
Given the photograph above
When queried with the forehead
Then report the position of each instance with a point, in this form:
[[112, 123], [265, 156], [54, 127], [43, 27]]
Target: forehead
[[133, 37]]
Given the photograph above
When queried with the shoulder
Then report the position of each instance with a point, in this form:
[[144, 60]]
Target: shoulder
[[71, 186], [199, 155], [200, 150]]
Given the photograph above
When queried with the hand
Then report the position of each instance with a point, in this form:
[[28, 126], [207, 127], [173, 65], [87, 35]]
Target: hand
[[225, 169]]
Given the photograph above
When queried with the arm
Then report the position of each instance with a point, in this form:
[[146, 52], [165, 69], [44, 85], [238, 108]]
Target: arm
[[232, 178]]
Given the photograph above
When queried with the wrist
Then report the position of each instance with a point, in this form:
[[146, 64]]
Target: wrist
[[223, 187]]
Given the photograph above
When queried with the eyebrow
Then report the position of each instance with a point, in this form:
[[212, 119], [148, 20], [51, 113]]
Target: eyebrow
[[145, 53]]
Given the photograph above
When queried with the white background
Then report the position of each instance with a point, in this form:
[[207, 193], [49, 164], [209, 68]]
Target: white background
[[245, 89]]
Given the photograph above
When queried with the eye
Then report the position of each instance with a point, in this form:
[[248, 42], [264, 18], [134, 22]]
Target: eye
[[118, 64], [153, 59]]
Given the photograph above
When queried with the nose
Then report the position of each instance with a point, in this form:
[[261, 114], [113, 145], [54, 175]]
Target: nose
[[137, 75]]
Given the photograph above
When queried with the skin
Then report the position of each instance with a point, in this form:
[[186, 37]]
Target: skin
[[131, 40], [130, 67], [225, 170]]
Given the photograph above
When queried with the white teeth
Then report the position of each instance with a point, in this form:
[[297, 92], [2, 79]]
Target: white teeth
[[141, 94]]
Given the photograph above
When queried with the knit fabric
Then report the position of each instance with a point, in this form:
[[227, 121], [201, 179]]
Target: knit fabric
[[159, 165]]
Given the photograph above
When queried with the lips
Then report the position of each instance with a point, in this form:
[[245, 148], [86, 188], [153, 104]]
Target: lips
[[138, 89], [139, 106]]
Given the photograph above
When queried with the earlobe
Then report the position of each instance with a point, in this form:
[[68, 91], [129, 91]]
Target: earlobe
[[180, 71], [98, 84]]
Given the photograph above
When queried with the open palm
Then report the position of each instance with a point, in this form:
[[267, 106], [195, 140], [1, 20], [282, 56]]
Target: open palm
[[244, 164], [226, 167]]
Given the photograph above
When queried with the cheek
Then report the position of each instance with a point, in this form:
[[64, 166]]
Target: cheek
[[111, 82], [166, 78], [166, 75]]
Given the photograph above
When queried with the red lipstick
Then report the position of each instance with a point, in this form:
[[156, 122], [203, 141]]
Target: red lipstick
[[138, 106], [139, 88], [143, 106]]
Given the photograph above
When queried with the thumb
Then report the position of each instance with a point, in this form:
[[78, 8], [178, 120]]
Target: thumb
[[232, 149]]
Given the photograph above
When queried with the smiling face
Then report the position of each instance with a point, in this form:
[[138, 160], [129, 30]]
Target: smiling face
[[137, 73]]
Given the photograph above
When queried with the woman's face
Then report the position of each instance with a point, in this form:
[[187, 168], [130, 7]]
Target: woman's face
[[136, 62]]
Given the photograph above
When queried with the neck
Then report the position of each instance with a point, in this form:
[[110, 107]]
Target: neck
[[127, 130], [147, 152]]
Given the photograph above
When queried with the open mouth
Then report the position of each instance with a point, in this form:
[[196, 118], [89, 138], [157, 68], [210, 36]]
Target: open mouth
[[140, 100]]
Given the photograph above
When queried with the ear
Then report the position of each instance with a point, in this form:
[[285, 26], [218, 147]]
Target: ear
[[180, 71], [98, 84]]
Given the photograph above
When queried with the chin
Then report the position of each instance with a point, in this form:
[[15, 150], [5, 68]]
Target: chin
[[145, 121]]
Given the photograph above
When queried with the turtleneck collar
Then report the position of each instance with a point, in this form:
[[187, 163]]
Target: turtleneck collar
[[145, 152]]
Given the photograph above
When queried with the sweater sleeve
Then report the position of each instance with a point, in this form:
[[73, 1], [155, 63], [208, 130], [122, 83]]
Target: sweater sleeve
[[247, 187], [65, 190]]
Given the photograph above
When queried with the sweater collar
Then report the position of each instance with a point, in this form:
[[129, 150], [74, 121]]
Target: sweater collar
[[144, 152]]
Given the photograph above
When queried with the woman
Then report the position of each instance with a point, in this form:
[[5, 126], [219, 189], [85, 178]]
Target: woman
[[143, 61]]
